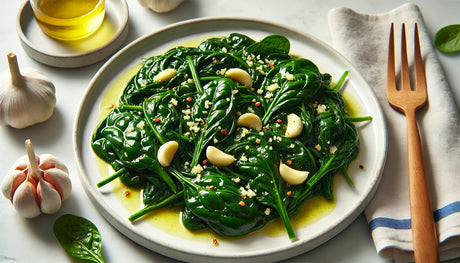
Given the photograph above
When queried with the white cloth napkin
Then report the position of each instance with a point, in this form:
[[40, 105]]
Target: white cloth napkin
[[363, 39]]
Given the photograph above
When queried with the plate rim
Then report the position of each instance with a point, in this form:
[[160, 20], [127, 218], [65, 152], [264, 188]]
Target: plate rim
[[185, 255]]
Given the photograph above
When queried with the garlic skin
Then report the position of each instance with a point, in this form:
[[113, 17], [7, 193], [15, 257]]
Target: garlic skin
[[160, 6], [26, 98], [37, 184]]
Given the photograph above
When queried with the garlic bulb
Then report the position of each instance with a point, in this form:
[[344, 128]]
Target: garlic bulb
[[37, 184], [26, 97], [160, 6]]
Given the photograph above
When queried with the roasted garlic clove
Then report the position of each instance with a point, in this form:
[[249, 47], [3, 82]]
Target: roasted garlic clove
[[250, 120], [165, 75], [291, 175], [294, 126], [166, 153], [239, 76], [218, 157]]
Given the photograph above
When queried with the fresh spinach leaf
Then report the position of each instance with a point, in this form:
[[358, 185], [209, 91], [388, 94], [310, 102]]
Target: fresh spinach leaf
[[447, 39], [79, 237]]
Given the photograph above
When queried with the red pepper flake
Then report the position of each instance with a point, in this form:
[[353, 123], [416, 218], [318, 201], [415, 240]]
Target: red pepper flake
[[279, 121], [189, 99], [288, 162], [175, 88], [111, 106], [214, 242], [266, 128], [241, 203], [271, 64], [244, 197], [212, 187], [224, 132], [361, 167], [126, 193], [156, 120], [258, 104], [289, 193], [214, 60], [205, 162]]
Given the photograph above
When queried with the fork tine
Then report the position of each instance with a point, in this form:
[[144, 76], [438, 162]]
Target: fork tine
[[391, 81], [420, 79], [405, 81]]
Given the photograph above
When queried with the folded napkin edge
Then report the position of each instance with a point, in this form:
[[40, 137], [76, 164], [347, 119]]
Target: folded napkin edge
[[347, 11]]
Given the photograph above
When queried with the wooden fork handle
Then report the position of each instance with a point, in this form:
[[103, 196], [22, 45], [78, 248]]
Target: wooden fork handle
[[423, 228]]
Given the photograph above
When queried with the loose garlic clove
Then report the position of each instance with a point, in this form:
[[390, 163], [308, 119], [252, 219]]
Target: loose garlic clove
[[166, 153], [239, 76], [165, 75], [291, 175], [218, 157], [36, 184], [294, 126], [250, 120]]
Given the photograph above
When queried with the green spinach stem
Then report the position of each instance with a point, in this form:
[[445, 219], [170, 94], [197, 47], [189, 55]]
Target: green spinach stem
[[150, 208], [341, 80], [111, 178], [131, 107], [358, 119], [196, 80]]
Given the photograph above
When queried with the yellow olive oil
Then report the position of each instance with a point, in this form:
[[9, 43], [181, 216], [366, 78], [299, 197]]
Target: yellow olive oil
[[169, 219], [352, 106], [69, 19]]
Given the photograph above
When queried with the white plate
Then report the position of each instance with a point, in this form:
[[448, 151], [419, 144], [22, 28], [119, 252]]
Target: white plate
[[257, 247], [71, 54]]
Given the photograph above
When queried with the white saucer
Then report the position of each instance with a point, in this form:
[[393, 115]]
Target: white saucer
[[72, 54]]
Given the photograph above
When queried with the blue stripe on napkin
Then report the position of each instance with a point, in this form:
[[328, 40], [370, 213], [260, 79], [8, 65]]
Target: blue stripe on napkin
[[406, 224]]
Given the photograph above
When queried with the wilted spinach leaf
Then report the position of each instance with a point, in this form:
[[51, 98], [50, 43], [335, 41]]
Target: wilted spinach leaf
[[199, 106]]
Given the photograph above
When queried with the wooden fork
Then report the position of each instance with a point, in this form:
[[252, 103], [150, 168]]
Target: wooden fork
[[408, 101]]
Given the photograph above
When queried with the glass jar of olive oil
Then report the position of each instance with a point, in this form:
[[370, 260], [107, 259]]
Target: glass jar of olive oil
[[68, 19]]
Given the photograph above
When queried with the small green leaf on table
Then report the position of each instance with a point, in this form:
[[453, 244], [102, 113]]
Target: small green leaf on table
[[79, 237], [447, 39]]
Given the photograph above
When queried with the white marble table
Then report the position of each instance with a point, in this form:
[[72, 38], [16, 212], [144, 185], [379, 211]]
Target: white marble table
[[24, 240]]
